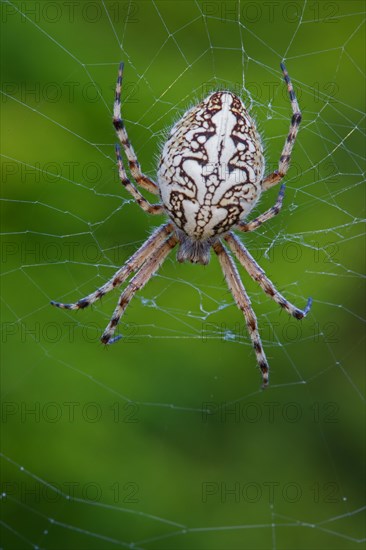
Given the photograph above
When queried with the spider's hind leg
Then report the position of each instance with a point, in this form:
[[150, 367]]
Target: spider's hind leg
[[149, 268], [258, 275], [132, 265], [243, 302]]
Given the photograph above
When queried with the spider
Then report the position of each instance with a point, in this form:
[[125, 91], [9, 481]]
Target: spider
[[210, 176]]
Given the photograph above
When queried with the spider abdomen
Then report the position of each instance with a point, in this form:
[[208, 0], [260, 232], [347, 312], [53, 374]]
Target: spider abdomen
[[211, 167]]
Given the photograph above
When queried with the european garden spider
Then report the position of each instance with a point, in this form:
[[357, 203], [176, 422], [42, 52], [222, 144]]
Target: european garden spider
[[210, 176]]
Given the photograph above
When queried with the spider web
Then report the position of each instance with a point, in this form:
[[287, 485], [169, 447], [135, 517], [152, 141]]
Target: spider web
[[165, 440]]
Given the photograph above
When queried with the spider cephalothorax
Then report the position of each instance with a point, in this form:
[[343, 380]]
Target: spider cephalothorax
[[210, 176]]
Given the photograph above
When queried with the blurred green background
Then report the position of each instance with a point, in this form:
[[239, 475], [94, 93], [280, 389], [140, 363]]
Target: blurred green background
[[111, 448]]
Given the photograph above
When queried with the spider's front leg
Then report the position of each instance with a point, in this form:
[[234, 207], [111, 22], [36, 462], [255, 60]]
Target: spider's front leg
[[134, 165], [283, 166], [119, 125]]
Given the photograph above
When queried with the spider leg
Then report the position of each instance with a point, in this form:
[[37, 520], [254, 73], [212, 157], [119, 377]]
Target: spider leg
[[271, 213], [243, 302], [141, 201], [258, 275], [118, 123], [133, 264], [137, 283], [283, 166]]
